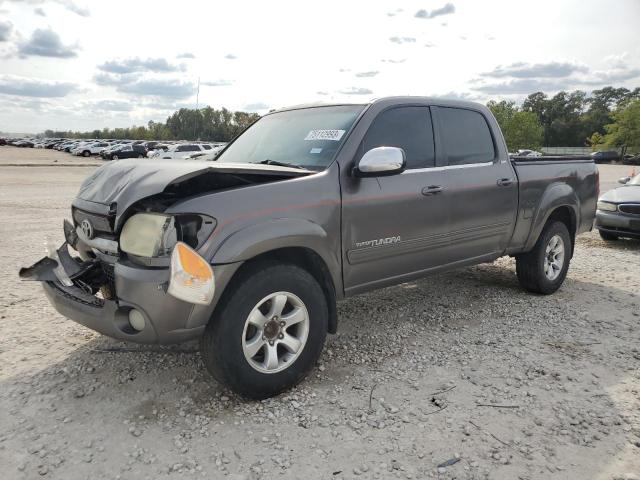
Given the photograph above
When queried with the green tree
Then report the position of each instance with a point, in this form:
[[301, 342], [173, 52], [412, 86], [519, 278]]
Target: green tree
[[625, 129], [520, 129]]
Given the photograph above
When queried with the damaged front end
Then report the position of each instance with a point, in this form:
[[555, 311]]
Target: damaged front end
[[128, 269]]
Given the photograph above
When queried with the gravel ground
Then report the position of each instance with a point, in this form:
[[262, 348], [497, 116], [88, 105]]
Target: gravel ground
[[461, 375]]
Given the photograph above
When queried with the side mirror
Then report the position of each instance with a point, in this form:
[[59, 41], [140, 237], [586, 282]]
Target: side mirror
[[624, 180], [380, 162]]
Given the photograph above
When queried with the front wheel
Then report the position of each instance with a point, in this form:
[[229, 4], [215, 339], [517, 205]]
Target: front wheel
[[86, 153], [267, 334], [544, 268], [114, 157]]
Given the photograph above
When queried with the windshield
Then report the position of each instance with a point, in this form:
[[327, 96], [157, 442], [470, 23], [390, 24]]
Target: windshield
[[635, 180], [306, 138]]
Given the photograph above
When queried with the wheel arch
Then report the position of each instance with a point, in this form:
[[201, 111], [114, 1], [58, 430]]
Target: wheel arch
[[294, 241], [559, 203]]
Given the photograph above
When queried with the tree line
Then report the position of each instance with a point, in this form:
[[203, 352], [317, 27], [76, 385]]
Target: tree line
[[185, 124], [607, 118]]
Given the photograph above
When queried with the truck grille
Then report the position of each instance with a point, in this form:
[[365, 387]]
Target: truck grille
[[100, 223], [631, 208]]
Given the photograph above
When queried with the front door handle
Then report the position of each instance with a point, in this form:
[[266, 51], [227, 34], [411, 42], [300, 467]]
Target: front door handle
[[431, 190], [504, 182]]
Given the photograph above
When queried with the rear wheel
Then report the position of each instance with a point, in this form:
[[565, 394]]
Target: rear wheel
[[86, 153], [114, 157], [609, 237], [544, 268], [268, 333]]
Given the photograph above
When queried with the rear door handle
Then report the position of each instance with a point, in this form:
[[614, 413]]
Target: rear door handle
[[431, 190], [504, 182]]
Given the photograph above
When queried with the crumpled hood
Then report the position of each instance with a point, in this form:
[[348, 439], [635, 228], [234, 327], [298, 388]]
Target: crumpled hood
[[627, 193], [124, 182]]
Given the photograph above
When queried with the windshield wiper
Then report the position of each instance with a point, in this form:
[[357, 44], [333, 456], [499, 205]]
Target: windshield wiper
[[280, 164]]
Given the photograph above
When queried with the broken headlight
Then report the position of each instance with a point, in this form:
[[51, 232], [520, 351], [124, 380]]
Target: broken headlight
[[153, 235]]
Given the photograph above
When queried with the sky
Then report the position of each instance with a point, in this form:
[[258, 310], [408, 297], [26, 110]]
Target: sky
[[84, 65]]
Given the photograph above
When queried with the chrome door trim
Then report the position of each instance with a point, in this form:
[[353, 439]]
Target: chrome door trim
[[448, 167]]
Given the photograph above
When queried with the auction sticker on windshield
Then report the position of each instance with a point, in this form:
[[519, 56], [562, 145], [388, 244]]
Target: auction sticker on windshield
[[334, 135]]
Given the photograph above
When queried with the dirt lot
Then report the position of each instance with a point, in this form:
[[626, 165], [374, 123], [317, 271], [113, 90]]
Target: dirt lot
[[461, 375]]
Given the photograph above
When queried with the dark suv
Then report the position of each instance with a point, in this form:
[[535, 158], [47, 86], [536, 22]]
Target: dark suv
[[128, 151]]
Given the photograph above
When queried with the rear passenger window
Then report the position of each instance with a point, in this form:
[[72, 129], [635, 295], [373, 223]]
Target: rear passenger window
[[466, 137], [408, 128]]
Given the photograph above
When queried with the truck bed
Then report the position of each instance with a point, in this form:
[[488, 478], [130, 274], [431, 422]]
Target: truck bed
[[546, 183]]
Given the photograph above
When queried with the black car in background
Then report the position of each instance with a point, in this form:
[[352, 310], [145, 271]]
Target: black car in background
[[127, 151], [3, 141], [605, 156]]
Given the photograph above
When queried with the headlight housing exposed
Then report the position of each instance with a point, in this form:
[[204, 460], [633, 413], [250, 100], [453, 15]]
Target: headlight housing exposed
[[154, 235], [606, 206]]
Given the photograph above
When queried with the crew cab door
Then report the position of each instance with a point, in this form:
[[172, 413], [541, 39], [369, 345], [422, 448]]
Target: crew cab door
[[393, 226], [481, 186]]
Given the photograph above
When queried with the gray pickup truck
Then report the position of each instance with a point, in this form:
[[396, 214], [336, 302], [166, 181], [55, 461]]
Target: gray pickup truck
[[249, 253]]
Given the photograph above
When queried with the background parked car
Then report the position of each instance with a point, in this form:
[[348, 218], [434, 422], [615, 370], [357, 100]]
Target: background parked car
[[605, 156], [528, 153], [618, 213], [127, 151], [86, 150], [184, 150]]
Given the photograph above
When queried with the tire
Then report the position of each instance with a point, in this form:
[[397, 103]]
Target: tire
[[114, 157], [86, 153], [608, 237], [532, 267], [140, 156], [223, 343]]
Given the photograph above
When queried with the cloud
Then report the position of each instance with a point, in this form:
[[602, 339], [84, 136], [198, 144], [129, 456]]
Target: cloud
[[68, 4], [74, 7], [356, 91], [111, 80], [322, 93], [369, 74], [520, 77], [447, 9], [137, 83], [39, 11], [159, 87], [230, 56], [457, 96], [5, 30], [522, 85], [34, 87], [136, 64], [429, 45], [394, 60], [401, 40], [536, 70], [111, 105], [46, 43], [257, 106], [217, 83], [186, 55]]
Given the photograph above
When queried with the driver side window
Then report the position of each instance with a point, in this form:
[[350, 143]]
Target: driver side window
[[408, 128]]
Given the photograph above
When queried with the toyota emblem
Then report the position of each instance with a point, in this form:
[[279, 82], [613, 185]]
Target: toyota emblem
[[87, 228]]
